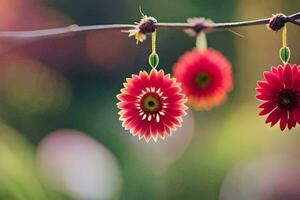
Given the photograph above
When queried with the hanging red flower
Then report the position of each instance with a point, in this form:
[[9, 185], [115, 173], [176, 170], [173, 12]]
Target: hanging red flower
[[280, 92], [206, 77], [151, 105]]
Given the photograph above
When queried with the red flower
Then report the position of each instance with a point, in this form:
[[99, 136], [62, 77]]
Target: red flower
[[205, 76], [151, 105], [280, 92]]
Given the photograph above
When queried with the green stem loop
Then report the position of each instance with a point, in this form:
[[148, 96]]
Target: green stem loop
[[285, 54], [153, 59]]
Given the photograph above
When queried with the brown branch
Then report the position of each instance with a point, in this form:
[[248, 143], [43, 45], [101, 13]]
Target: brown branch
[[55, 32]]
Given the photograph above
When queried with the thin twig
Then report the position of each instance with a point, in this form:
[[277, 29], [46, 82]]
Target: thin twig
[[54, 32]]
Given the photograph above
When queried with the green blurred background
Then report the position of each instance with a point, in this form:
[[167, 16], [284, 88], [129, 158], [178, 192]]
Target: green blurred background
[[60, 137]]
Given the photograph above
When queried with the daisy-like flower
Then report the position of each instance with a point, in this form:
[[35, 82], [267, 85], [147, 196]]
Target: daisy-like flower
[[205, 76], [151, 105], [146, 25], [280, 93]]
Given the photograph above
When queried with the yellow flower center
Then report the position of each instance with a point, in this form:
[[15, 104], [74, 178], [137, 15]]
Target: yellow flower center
[[151, 103]]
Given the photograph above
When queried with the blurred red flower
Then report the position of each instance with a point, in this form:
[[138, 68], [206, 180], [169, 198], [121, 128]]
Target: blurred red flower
[[151, 105], [206, 77]]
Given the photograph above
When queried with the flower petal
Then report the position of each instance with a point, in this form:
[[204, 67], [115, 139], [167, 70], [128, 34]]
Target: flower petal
[[280, 73], [287, 76], [267, 107], [264, 97], [265, 85], [296, 114], [283, 120], [274, 116], [291, 121], [273, 79]]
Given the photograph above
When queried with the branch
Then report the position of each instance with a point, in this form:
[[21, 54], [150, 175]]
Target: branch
[[56, 32]]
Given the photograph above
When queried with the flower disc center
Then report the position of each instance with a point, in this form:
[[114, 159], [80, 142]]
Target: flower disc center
[[288, 99], [150, 103], [203, 79]]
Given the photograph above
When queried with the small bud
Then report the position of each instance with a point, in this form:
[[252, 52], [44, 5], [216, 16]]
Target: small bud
[[146, 25], [199, 24], [153, 60], [285, 54]]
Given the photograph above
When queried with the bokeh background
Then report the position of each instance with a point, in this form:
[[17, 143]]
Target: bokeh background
[[60, 138]]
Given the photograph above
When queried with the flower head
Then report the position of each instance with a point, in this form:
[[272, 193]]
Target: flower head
[[151, 105], [280, 93], [146, 25], [205, 76]]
